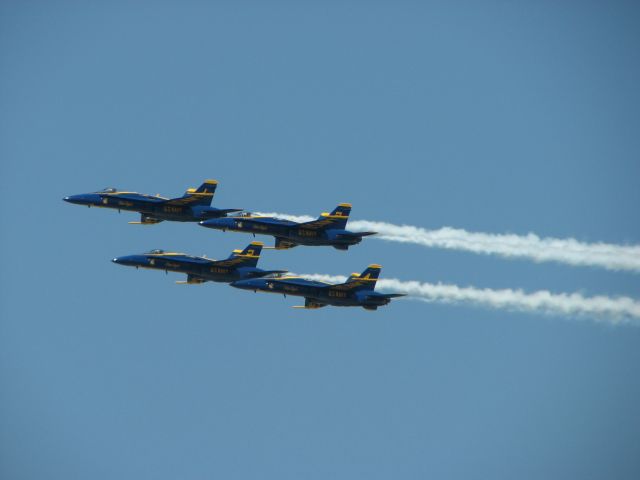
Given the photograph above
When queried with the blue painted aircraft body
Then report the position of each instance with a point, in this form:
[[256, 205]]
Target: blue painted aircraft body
[[357, 291], [241, 264], [328, 229], [193, 206]]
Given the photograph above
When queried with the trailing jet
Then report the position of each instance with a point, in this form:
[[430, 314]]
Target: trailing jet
[[357, 291], [193, 206], [241, 264], [328, 229]]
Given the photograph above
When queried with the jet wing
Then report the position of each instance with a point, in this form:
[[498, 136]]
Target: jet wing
[[354, 283], [267, 221], [128, 196], [299, 281], [183, 258], [228, 210], [317, 224], [229, 262], [193, 198]]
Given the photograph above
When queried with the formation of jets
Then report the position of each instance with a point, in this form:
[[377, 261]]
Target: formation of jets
[[240, 269]]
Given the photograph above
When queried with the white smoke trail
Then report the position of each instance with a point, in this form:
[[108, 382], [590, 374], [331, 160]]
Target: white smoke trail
[[611, 310], [531, 246]]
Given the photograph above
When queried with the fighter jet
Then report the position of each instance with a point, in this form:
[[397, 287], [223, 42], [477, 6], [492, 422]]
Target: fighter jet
[[193, 206], [328, 229], [241, 264], [357, 291]]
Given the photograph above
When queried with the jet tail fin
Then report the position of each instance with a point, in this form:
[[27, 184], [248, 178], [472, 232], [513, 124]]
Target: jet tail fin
[[337, 219], [250, 255], [338, 216], [203, 195], [366, 280]]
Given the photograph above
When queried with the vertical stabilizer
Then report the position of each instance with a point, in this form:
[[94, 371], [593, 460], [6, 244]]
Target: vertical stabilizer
[[250, 255]]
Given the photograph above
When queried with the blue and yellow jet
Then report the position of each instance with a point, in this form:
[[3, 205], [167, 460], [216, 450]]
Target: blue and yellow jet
[[193, 206], [357, 291], [328, 229], [241, 264]]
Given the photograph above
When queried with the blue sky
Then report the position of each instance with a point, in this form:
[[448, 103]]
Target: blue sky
[[495, 117]]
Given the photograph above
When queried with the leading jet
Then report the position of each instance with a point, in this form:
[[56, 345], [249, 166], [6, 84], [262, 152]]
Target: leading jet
[[193, 206], [357, 291], [328, 229], [241, 264]]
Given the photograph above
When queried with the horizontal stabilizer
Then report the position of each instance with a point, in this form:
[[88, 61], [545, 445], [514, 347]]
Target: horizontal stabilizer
[[355, 234], [388, 295]]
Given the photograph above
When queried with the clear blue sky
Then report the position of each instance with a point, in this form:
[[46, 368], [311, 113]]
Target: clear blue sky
[[489, 116]]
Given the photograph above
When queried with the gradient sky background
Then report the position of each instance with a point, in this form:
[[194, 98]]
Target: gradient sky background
[[491, 116]]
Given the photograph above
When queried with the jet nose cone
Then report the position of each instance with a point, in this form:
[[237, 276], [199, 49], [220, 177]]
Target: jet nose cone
[[244, 284], [253, 284], [83, 199], [72, 198], [131, 260], [218, 223]]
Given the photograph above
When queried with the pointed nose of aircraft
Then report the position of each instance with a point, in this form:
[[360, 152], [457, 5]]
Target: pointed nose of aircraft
[[84, 199], [252, 284], [219, 223], [131, 260]]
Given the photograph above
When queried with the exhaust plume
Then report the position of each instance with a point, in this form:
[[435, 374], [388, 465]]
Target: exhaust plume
[[568, 251], [605, 309]]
